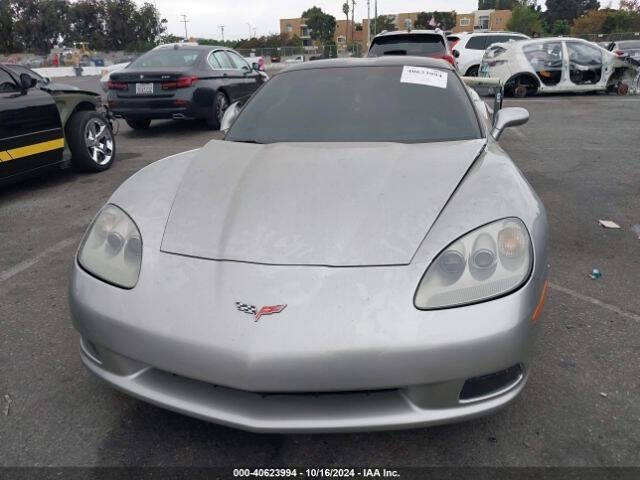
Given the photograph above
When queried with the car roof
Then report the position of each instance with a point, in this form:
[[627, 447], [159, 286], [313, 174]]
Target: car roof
[[533, 41], [386, 61], [410, 32], [189, 46], [501, 32]]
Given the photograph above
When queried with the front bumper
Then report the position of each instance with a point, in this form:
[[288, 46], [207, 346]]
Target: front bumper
[[410, 407], [361, 361]]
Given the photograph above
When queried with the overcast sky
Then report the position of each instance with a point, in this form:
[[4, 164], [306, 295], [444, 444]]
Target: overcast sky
[[205, 16]]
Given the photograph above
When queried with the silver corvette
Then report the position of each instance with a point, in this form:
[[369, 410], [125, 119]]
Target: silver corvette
[[358, 253]]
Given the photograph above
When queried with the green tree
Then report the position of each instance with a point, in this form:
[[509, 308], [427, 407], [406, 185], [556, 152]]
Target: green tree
[[39, 24], [443, 20], [525, 20], [7, 35], [345, 10], [383, 22], [148, 27], [86, 23], [568, 10], [498, 4], [322, 25], [559, 28], [119, 24]]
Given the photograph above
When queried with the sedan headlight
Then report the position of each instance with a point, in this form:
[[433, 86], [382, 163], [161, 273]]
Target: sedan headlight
[[486, 263], [112, 248]]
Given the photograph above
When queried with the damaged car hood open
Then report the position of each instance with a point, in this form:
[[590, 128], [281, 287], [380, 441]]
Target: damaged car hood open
[[333, 204]]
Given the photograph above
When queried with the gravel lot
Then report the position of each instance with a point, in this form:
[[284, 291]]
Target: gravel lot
[[580, 408]]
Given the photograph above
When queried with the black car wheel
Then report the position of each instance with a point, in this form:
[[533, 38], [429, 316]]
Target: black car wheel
[[91, 141], [220, 105], [473, 71], [138, 124]]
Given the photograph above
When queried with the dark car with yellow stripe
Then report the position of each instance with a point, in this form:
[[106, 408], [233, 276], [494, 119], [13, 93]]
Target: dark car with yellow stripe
[[43, 128]]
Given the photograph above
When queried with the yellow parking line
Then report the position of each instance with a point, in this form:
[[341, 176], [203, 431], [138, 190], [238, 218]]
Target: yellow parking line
[[4, 157], [34, 149]]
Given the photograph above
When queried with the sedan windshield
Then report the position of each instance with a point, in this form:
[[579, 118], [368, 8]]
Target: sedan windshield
[[409, 44], [358, 104], [167, 58]]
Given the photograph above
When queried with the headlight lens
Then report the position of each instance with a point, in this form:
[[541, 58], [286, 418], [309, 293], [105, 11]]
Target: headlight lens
[[485, 263], [112, 248]]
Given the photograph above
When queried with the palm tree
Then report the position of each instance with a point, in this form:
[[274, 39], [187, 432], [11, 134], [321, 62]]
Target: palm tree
[[345, 10]]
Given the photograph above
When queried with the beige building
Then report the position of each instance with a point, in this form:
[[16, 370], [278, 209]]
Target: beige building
[[482, 20], [296, 26]]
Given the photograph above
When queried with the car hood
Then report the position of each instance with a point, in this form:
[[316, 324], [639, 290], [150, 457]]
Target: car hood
[[333, 204]]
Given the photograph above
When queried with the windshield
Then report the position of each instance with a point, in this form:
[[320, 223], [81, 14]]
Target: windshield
[[358, 104], [181, 57], [409, 44]]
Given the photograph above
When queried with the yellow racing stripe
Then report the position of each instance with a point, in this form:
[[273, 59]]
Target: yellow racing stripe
[[34, 149]]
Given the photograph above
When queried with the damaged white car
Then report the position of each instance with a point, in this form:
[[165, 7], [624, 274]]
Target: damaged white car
[[556, 64]]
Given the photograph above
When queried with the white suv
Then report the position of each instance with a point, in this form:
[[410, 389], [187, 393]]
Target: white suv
[[470, 48]]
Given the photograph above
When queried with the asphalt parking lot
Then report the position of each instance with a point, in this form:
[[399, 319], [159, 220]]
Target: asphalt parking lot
[[580, 407]]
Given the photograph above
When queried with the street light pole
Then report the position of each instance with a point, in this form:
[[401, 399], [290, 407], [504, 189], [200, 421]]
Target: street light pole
[[222, 32], [249, 30]]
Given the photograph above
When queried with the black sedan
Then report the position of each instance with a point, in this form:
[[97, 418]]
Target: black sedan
[[182, 81]]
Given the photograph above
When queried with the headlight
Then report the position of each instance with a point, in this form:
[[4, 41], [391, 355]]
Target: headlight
[[488, 262], [112, 248]]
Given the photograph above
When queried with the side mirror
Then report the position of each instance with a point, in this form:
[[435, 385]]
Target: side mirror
[[46, 80], [229, 116], [27, 81], [509, 117], [456, 53], [255, 66]]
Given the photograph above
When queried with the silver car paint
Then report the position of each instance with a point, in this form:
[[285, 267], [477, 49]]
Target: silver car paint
[[335, 204], [344, 329]]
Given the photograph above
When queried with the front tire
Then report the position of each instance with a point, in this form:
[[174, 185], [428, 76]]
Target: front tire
[[138, 124], [91, 141], [220, 105]]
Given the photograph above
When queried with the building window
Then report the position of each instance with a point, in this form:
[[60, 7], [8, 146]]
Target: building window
[[465, 22], [289, 29]]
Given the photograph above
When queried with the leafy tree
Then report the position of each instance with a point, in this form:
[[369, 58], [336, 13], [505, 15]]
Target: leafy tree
[[620, 21], [630, 5], [7, 36], [148, 26], [443, 20], [86, 23], [322, 25], [560, 28], [525, 20], [590, 22], [383, 22], [345, 10], [38, 24], [568, 10]]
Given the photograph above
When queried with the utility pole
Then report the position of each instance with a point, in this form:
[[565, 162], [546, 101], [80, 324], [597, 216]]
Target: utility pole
[[222, 32], [353, 8], [249, 30], [368, 23], [185, 21], [375, 21]]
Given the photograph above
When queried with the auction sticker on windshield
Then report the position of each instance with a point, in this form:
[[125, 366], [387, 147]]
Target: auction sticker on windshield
[[424, 76]]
